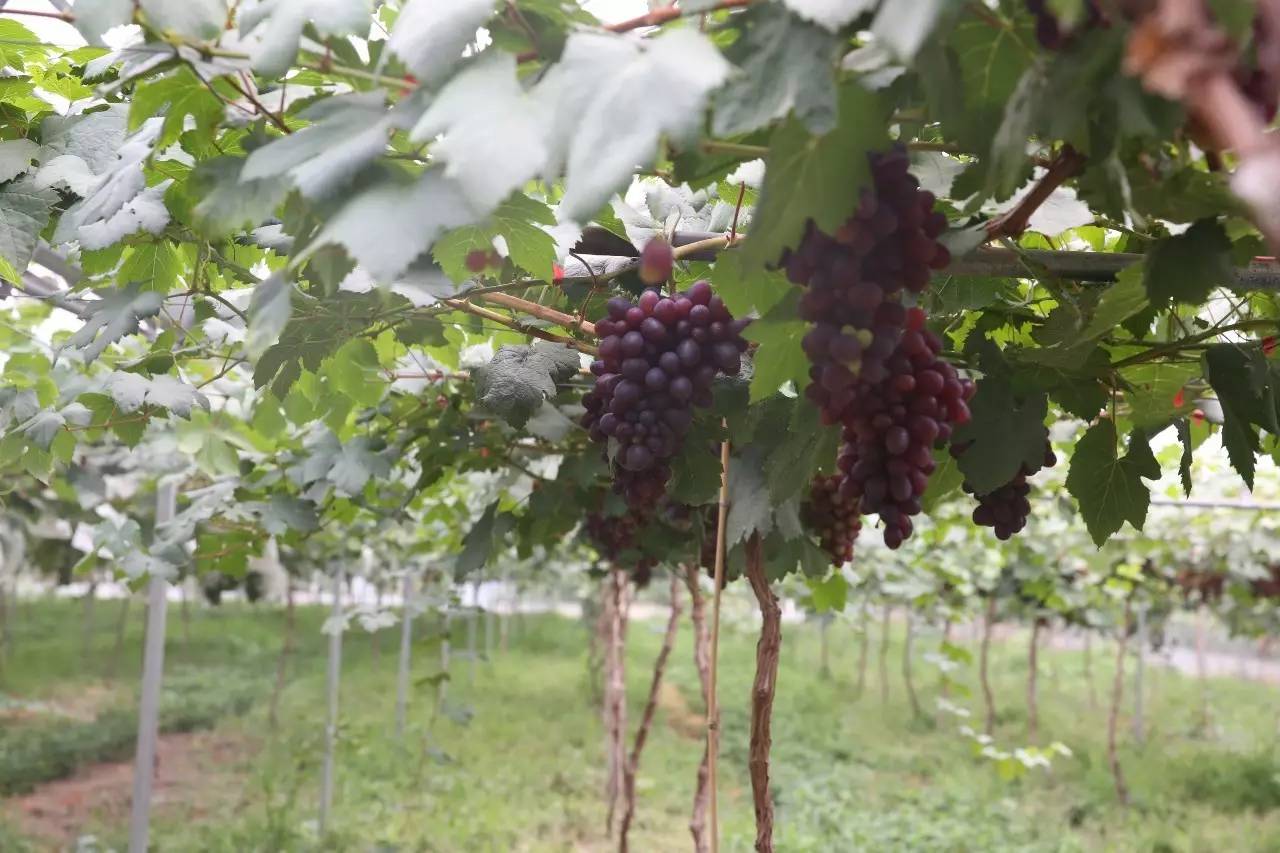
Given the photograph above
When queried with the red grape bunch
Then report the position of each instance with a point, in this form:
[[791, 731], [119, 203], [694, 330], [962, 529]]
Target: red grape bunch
[[893, 426], [854, 280], [1006, 509], [617, 539], [833, 517], [658, 358]]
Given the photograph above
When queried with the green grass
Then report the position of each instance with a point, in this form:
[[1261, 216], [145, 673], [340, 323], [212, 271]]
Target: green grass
[[516, 763]]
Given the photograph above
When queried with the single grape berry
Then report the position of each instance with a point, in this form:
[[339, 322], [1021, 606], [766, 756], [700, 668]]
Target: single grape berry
[[657, 259], [477, 260]]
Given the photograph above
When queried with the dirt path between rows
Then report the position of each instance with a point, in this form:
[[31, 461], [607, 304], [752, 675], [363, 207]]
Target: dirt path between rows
[[192, 768]]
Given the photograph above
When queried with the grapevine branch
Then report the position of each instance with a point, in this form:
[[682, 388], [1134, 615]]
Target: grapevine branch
[[525, 328], [542, 312], [1067, 164], [762, 692]]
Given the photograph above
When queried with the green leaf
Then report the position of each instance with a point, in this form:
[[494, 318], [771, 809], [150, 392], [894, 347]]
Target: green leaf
[[966, 293], [779, 358], [945, 480], [1234, 372], [829, 594], [276, 28], [784, 66], [831, 14], [750, 509], [355, 372], [478, 544], [15, 157], [748, 289], [388, 225], [1187, 268], [519, 378], [516, 222], [151, 266], [112, 317], [227, 203], [1119, 302], [1152, 391], [360, 459], [1004, 434], [24, 210], [269, 312], [806, 445], [95, 17], [198, 19], [696, 477], [429, 35], [175, 96], [1108, 488], [814, 177]]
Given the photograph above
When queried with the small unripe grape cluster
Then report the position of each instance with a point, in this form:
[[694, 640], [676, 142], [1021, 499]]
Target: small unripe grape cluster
[[892, 428], [855, 277], [658, 358], [834, 518], [1006, 509]]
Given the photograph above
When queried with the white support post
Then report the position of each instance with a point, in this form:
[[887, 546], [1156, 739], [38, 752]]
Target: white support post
[[1139, 726], [406, 642], [149, 702], [331, 717]]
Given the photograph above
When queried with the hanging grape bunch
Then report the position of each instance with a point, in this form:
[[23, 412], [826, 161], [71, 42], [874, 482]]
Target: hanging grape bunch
[[874, 366], [835, 519], [617, 538], [855, 278], [658, 358], [1006, 509]]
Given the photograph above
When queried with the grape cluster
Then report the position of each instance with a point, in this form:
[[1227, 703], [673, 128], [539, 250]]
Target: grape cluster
[[890, 432], [854, 280], [1006, 509], [1049, 30], [617, 538], [658, 358], [834, 518]]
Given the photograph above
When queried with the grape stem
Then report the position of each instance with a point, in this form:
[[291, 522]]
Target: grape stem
[[532, 331], [1067, 164], [542, 312]]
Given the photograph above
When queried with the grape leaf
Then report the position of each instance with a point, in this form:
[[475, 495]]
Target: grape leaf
[[68, 172], [349, 132], [95, 17], [749, 503], [818, 178], [198, 19], [112, 317], [15, 157], [175, 395], [1109, 489], [834, 15], [284, 514], [515, 221], [389, 224], [945, 480], [1004, 435], [360, 459], [779, 359], [1187, 267], [46, 425], [903, 25], [1234, 372], [269, 312], [495, 135], [127, 390], [1152, 391], [806, 446], [1119, 302], [96, 137], [829, 594], [518, 378], [274, 27], [610, 99], [430, 35], [24, 210], [227, 203], [748, 290], [784, 65], [153, 266], [175, 96]]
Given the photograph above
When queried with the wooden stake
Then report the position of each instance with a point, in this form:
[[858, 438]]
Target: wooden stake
[[713, 701]]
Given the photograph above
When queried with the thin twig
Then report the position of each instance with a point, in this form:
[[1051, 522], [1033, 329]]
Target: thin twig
[[525, 328]]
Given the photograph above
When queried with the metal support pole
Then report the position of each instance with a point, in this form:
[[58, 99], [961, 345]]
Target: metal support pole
[[406, 641], [149, 702]]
